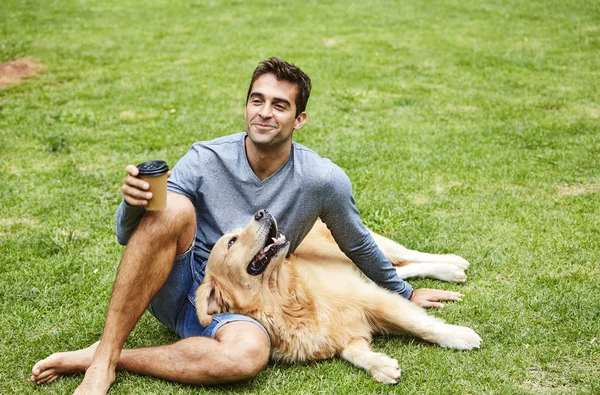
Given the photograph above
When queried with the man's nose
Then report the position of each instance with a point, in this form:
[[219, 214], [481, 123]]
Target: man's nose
[[265, 112]]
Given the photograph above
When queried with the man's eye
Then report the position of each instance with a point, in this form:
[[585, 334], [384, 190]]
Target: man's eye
[[231, 242]]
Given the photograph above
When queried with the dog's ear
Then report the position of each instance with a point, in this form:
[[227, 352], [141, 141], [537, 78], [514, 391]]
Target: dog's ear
[[209, 301]]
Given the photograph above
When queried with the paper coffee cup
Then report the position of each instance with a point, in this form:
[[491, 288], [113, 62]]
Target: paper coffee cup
[[154, 173]]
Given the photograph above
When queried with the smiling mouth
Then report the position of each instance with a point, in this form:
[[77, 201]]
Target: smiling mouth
[[274, 242], [264, 125]]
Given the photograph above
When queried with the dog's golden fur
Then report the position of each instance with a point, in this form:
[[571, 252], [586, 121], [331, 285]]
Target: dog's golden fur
[[316, 304]]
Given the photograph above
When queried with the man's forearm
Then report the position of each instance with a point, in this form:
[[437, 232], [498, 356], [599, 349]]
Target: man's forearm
[[379, 269]]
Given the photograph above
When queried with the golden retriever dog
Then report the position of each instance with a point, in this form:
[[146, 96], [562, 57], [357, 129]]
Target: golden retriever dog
[[316, 304]]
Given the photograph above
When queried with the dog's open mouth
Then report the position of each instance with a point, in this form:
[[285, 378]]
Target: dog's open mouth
[[275, 241]]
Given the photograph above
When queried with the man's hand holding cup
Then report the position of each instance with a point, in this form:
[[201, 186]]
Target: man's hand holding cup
[[146, 185]]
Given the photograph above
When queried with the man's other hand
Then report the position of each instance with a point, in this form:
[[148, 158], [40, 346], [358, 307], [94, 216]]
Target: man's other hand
[[426, 297]]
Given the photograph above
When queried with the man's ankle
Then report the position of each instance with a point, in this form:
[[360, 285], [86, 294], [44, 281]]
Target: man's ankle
[[106, 357]]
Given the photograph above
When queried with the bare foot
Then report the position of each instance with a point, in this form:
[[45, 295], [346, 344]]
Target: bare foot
[[98, 379], [62, 363]]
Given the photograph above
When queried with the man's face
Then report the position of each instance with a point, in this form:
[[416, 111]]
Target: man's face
[[271, 111]]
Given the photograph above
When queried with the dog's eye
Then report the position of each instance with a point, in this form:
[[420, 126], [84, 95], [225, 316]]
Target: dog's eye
[[231, 241]]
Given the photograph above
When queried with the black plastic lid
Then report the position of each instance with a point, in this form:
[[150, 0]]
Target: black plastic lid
[[153, 168]]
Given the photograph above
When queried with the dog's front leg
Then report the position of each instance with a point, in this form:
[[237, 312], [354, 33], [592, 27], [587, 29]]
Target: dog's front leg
[[383, 368]]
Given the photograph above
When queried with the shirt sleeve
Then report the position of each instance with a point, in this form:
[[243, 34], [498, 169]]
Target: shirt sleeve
[[128, 219], [341, 216], [185, 178]]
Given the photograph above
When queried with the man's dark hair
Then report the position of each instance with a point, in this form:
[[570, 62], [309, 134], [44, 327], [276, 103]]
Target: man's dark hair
[[284, 71]]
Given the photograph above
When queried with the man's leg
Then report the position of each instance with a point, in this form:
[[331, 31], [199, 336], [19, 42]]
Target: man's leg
[[240, 350], [144, 267]]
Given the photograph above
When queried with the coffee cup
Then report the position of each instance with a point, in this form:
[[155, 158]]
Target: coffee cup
[[154, 173]]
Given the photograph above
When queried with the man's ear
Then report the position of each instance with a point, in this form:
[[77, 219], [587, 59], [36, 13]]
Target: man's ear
[[300, 120], [209, 301]]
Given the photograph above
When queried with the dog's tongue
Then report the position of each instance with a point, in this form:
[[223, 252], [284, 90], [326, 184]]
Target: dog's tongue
[[276, 241]]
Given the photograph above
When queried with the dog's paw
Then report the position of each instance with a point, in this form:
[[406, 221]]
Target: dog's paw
[[456, 260], [450, 273], [459, 337], [385, 369]]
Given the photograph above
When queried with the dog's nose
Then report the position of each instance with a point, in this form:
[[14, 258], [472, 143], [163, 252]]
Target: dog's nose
[[260, 214]]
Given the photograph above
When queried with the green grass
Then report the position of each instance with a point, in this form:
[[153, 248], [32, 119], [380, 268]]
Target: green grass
[[466, 127]]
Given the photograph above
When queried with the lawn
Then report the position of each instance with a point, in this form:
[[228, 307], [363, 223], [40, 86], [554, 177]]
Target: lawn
[[465, 127]]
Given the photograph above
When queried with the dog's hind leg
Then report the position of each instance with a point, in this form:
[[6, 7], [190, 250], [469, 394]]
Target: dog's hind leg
[[392, 313], [400, 255], [411, 263], [383, 368]]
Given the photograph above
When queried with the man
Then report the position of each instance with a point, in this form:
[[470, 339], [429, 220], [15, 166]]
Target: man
[[215, 188]]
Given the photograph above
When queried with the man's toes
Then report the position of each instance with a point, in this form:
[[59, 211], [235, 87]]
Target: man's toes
[[45, 370], [48, 379], [42, 365], [45, 375]]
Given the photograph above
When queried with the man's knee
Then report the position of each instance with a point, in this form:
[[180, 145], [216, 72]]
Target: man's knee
[[247, 348], [177, 220], [253, 357]]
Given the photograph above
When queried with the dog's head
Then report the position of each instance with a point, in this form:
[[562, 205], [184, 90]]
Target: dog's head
[[238, 265]]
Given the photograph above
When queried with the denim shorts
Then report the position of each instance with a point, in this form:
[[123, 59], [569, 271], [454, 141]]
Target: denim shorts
[[175, 303]]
